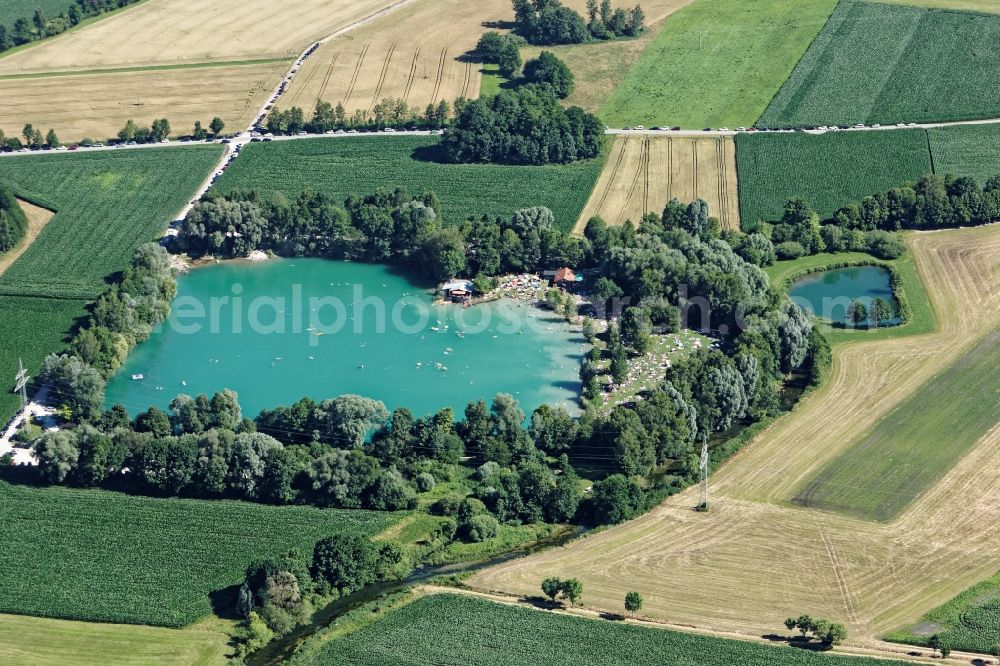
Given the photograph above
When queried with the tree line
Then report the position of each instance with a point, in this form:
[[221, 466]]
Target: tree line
[[390, 112], [13, 223], [932, 202], [156, 132], [549, 22], [382, 227], [25, 30]]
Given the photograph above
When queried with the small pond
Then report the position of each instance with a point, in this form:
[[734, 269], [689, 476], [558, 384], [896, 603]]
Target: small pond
[[829, 294], [283, 329]]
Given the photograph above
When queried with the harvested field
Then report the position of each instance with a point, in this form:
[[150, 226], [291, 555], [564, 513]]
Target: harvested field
[[643, 173], [97, 105], [38, 217], [767, 559], [412, 53], [161, 32]]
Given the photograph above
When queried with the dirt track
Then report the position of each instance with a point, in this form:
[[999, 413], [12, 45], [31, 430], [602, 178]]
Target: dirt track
[[644, 172], [754, 560]]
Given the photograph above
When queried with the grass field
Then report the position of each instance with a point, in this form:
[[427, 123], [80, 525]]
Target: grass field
[[716, 63], [765, 556], [452, 628], [344, 166], [30, 329], [643, 173], [600, 67], [97, 105], [827, 170], [412, 54], [913, 446], [966, 150], [970, 621], [108, 204], [96, 555], [36, 641], [884, 63]]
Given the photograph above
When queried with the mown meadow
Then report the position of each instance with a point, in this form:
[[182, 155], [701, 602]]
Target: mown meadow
[[887, 63], [915, 444], [103, 556], [358, 165], [716, 63], [457, 629]]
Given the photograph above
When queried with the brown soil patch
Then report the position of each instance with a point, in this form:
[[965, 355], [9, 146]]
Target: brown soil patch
[[38, 217]]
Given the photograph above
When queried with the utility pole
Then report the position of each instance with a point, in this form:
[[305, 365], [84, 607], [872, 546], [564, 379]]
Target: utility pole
[[703, 468], [21, 384]]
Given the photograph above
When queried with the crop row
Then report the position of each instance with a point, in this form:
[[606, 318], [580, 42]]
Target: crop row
[[885, 63], [96, 555], [108, 203], [453, 629], [358, 165]]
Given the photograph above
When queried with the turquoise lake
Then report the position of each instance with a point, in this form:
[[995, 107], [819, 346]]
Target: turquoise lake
[[828, 294], [283, 329]]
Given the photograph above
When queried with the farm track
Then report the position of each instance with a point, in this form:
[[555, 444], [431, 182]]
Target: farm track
[[329, 75], [409, 79], [440, 75], [37, 218], [768, 559], [357, 70], [381, 78]]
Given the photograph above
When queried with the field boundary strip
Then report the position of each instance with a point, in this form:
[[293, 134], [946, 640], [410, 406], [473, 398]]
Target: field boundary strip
[[143, 68]]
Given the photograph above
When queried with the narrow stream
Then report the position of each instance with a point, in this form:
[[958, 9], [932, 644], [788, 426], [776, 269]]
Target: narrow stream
[[280, 649]]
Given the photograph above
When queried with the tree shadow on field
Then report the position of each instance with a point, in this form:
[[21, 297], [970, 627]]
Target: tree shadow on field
[[224, 602], [611, 617], [433, 153], [498, 25], [801, 642]]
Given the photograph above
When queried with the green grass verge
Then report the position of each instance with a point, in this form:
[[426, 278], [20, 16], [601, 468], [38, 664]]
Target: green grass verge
[[146, 68], [970, 621], [907, 286], [458, 629], [884, 63], [37, 641], [492, 81], [827, 170], [716, 63], [30, 329], [108, 203], [966, 150], [358, 165], [102, 556], [913, 446]]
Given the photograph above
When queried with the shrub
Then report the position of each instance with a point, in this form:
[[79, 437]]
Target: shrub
[[789, 250], [480, 528], [425, 482]]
